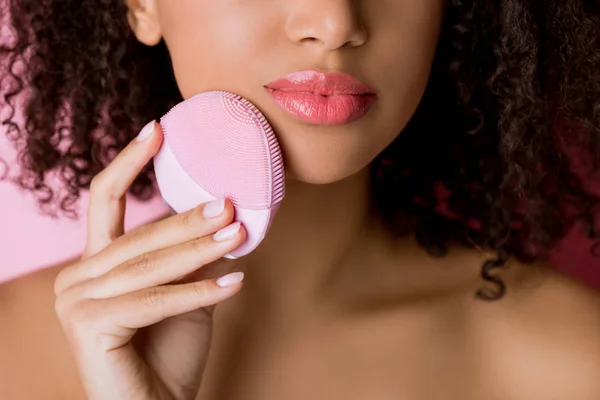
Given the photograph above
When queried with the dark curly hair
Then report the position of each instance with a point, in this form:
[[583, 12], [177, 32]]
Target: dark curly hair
[[488, 158]]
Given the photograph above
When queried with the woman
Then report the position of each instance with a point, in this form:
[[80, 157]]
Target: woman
[[407, 259]]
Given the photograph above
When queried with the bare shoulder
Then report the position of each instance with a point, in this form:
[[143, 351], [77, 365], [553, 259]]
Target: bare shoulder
[[545, 335], [561, 303], [35, 361]]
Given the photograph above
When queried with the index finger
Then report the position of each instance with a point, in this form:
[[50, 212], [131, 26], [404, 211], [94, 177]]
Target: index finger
[[106, 211]]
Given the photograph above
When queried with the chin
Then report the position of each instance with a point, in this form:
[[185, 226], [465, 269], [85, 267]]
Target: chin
[[322, 174]]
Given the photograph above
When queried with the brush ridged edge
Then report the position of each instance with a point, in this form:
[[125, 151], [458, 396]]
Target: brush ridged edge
[[275, 157]]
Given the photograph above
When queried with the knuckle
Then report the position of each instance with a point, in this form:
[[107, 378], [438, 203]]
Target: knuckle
[[66, 278], [98, 184], [84, 324], [190, 219], [198, 246], [59, 283], [73, 315], [153, 297], [141, 265], [79, 317], [66, 303], [200, 290], [62, 308]]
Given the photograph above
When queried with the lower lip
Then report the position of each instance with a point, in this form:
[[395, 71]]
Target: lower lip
[[323, 110]]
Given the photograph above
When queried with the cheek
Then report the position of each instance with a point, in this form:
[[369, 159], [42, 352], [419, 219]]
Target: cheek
[[402, 68], [406, 62], [208, 41]]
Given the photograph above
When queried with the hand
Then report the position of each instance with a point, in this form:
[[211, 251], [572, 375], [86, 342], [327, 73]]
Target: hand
[[135, 309]]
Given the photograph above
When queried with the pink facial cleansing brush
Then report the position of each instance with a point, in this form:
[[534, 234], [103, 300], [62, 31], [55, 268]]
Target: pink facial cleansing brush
[[219, 145]]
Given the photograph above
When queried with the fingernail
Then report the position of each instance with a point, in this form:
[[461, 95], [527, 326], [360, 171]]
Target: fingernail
[[147, 131], [214, 209], [231, 279], [227, 233]]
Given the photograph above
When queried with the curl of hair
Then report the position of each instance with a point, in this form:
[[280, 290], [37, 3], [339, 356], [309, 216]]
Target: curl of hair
[[515, 95]]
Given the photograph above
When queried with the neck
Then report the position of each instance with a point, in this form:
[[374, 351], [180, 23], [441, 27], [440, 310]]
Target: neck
[[325, 240], [317, 228]]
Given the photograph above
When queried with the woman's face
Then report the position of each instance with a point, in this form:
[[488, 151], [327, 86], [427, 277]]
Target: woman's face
[[329, 126]]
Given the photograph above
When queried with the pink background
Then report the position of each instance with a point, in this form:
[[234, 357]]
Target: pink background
[[30, 240]]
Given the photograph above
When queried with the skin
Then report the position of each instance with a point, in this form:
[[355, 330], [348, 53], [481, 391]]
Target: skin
[[275, 38], [332, 306]]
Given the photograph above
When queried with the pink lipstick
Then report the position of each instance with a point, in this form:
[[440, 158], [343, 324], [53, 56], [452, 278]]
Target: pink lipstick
[[322, 99]]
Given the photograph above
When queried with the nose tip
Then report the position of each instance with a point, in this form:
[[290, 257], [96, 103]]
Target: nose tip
[[336, 35], [331, 24]]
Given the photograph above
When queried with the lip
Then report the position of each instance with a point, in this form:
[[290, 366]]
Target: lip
[[322, 98]]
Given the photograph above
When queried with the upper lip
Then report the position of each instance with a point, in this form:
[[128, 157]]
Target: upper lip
[[321, 83]]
